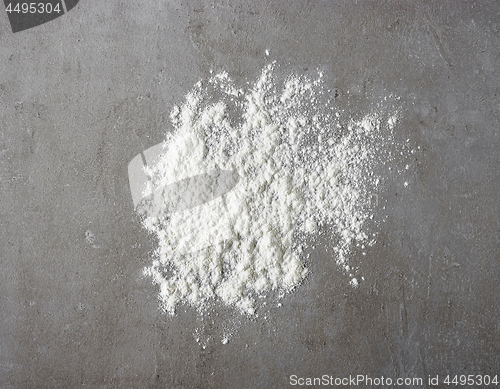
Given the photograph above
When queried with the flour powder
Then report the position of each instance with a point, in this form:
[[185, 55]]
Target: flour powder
[[292, 165]]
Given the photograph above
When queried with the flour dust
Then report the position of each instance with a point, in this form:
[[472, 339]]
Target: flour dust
[[259, 171]]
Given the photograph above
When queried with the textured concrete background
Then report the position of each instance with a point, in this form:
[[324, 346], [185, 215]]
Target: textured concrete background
[[82, 95]]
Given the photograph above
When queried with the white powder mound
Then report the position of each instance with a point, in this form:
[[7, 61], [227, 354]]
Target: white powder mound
[[298, 169]]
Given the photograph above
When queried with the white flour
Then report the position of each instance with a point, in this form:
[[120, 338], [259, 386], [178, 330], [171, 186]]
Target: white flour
[[301, 168]]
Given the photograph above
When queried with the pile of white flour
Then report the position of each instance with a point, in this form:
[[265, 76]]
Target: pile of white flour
[[300, 168]]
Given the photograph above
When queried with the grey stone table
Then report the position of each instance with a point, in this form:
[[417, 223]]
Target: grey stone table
[[82, 95]]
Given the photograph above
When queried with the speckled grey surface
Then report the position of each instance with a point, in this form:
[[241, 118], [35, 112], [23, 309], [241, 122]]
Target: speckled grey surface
[[82, 95]]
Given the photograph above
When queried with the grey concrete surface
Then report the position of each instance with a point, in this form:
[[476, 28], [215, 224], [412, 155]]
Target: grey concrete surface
[[82, 95]]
